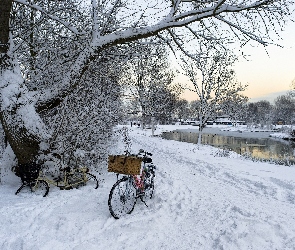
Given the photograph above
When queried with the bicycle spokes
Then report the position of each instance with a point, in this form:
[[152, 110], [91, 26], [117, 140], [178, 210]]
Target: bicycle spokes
[[122, 198]]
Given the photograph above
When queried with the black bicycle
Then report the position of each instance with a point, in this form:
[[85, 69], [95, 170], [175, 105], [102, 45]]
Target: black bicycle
[[126, 191]]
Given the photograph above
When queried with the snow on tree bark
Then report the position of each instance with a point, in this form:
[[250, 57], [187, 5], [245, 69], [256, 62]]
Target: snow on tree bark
[[22, 138], [23, 126]]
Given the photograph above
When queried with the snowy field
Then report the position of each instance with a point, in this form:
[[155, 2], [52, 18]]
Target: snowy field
[[202, 201]]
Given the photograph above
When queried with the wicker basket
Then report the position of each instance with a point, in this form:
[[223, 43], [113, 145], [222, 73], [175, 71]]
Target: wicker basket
[[122, 164]]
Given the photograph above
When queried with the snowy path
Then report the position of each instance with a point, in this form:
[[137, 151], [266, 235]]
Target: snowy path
[[200, 202], [225, 210]]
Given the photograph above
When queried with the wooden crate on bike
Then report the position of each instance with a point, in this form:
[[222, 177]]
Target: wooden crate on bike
[[122, 164]]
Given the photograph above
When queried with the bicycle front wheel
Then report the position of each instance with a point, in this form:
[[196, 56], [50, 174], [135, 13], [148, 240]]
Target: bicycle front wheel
[[41, 187], [92, 180], [122, 198]]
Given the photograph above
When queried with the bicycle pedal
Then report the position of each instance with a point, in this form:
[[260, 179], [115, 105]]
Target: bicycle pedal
[[140, 194]]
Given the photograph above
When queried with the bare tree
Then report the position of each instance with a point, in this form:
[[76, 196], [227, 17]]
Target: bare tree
[[285, 108], [148, 78], [112, 23], [182, 110], [214, 81], [261, 112], [234, 105]]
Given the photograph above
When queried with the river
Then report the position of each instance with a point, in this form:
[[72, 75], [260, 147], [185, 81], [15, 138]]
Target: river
[[258, 145]]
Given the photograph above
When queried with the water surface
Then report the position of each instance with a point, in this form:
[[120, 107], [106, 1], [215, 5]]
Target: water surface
[[261, 148]]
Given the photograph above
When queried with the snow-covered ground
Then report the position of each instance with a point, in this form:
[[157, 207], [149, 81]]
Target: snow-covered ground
[[202, 201]]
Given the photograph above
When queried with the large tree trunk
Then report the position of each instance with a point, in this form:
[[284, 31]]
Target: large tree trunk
[[25, 137], [5, 8], [25, 144], [23, 140]]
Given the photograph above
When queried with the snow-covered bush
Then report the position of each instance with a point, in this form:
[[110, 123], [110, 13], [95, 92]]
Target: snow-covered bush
[[223, 152]]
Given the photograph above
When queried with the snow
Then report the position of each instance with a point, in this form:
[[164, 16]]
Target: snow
[[9, 83], [201, 202], [14, 94], [281, 135]]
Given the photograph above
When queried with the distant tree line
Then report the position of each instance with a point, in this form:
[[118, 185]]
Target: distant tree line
[[282, 111]]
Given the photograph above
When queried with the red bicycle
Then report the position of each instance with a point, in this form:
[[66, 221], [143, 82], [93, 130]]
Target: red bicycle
[[126, 191]]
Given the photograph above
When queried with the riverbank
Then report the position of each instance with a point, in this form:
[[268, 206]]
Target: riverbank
[[240, 131]]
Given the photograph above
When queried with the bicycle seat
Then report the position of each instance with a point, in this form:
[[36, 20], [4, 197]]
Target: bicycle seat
[[147, 160]]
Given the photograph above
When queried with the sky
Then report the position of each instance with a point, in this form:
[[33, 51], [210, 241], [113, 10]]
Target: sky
[[269, 71]]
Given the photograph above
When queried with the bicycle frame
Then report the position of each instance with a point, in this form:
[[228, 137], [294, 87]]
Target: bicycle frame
[[77, 177], [138, 182], [68, 179]]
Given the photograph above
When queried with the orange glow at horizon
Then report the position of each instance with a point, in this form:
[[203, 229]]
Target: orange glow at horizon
[[269, 70]]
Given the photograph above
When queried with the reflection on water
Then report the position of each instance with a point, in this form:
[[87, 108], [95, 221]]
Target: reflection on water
[[258, 148]]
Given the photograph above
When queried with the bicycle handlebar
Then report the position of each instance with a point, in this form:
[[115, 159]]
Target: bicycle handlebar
[[145, 153], [141, 152]]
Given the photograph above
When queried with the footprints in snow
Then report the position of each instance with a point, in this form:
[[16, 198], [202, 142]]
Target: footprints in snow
[[241, 229]]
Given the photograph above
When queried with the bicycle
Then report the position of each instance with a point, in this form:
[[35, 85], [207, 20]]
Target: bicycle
[[125, 192], [37, 181]]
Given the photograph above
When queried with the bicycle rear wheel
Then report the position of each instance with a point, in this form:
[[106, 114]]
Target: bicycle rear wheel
[[40, 188], [92, 180], [122, 197]]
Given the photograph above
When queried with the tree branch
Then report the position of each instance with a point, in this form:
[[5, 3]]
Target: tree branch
[[55, 18], [127, 35]]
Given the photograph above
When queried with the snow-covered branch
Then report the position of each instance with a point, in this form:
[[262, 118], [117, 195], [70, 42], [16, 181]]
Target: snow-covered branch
[[179, 14], [53, 17], [246, 33]]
